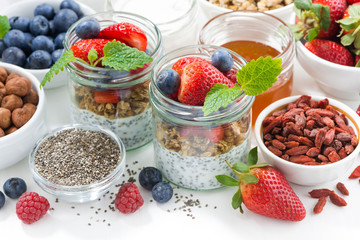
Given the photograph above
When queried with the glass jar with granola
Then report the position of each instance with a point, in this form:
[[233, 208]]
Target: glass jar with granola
[[107, 97], [189, 148]]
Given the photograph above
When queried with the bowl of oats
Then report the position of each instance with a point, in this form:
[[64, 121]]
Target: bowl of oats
[[282, 9]]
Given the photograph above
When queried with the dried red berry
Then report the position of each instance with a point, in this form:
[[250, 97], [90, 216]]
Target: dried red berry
[[355, 173], [319, 205], [341, 187]]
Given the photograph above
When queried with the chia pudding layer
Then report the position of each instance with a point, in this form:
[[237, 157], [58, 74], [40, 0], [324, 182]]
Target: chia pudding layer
[[195, 172], [135, 131]]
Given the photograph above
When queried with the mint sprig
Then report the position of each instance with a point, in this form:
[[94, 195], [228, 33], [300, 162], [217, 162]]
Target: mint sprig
[[254, 78], [117, 55], [4, 26]]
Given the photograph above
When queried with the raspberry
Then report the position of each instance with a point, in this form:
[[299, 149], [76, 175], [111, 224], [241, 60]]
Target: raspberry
[[31, 207], [128, 199]]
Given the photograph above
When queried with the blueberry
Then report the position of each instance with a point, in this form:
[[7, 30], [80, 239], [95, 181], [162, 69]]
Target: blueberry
[[52, 30], [20, 23], [222, 60], [28, 42], [149, 177], [42, 43], [39, 59], [45, 10], [89, 28], [2, 199], [162, 192], [168, 81], [64, 19], [55, 55], [39, 25], [69, 4], [14, 187], [14, 55], [148, 52], [15, 38], [59, 40], [2, 46]]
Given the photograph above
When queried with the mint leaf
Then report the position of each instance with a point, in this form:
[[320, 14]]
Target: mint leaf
[[258, 76], [123, 58], [241, 167], [92, 55], [237, 200], [220, 96], [4, 26], [66, 58], [227, 181], [253, 156]]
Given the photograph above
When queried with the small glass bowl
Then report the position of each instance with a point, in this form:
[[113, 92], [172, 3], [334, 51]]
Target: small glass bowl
[[80, 193]]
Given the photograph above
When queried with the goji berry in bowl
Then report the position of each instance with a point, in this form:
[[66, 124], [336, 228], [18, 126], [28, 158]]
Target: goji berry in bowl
[[310, 139], [337, 80]]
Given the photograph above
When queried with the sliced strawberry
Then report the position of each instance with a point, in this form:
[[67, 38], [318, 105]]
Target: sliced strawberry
[[126, 33], [213, 134], [330, 51], [180, 64], [106, 96], [196, 81], [81, 49]]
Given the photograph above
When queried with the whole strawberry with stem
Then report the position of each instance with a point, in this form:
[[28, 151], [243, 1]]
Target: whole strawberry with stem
[[350, 28], [317, 18], [263, 190]]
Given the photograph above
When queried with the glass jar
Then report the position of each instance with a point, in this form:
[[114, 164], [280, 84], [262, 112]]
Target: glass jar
[[190, 149], [130, 115], [178, 21], [253, 34]]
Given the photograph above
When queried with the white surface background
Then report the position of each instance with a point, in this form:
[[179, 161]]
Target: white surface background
[[153, 221]]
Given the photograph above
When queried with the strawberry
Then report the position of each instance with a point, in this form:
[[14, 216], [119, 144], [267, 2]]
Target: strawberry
[[110, 96], [196, 81], [180, 64], [330, 51], [81, 49], [264, 190], [315, 22], [351, 25], [173, 96], [349, 2], [126, 33], [213, 134]]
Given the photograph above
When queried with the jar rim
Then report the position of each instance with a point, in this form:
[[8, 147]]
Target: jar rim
[[252, 13], [77, 65]]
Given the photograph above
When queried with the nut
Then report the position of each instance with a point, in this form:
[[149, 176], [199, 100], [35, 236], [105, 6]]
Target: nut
[[11, 102], [18, 86], [31, 107], [10, 130], [2, 90], [5, 118], [2, 133], [3, 74], [20, 116], [31, 97], [11, 76]]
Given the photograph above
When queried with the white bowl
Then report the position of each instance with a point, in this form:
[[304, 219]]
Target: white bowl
[[15, 146], [305, 174], [337, 80], [210, 10], [26, 9]]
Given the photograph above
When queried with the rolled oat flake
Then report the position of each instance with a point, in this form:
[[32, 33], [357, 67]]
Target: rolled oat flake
[[74, 157]]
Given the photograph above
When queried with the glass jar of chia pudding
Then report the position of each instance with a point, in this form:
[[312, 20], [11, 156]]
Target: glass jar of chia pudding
[[129, 115], [190, 149]]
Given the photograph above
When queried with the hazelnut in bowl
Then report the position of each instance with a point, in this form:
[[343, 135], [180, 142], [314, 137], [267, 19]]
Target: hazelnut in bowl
[[310, 139], [22, 113], [281, 9], [337, 80], [35, 40]]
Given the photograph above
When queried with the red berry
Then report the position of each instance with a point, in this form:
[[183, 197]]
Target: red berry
[[128, 199], [31, 207], [106, 96], [81, 49], [231, 75], [126, 33], [330, 51]]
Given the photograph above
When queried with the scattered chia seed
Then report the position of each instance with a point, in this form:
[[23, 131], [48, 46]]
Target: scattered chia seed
[[76, 157]]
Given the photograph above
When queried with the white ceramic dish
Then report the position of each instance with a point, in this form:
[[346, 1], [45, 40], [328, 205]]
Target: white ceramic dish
[[304, 174], [17, 145], [337, 80], [210, 10], [26, 9]]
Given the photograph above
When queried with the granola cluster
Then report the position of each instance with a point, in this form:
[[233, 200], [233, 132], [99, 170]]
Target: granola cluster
[[169, 136], [132, 101], [257, 5]]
